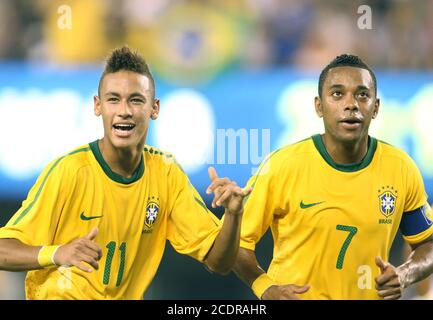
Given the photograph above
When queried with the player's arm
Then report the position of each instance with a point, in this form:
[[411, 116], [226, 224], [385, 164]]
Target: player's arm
[[417, 231], [17, 256], [419, 264], [248, 269], [221, 257], [393, 280]]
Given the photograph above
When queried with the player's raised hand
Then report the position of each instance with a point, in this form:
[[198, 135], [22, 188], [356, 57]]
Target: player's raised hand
[[388, 283], [78, 251], [227, 193], [285, 292]]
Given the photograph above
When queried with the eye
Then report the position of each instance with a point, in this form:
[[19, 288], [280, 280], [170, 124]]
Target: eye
[[113, 99], [137, 100], [364, 94], [337, 94]]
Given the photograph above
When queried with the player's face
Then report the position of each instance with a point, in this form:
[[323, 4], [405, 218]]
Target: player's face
[[348, 104], [126, 103]]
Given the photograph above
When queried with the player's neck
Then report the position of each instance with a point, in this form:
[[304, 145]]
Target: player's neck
[[121, 161], [345, 153]]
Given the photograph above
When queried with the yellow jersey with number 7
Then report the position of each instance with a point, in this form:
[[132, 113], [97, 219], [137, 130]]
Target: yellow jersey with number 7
[[330, 221]]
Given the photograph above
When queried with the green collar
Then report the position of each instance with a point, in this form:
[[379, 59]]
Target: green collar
[[138, 173], [320, 146]]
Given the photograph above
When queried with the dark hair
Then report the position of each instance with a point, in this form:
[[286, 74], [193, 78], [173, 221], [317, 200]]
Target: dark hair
[[345, 60], [125, 59]]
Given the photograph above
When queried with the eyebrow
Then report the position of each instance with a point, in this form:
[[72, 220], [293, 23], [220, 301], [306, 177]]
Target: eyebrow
[[134, 94], [362, 87], [340, 86], [112, 94], [137, 94], [336, 86]]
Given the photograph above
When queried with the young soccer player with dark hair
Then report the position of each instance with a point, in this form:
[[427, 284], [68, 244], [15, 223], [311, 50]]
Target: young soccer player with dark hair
[[105, 210], [334, 203]]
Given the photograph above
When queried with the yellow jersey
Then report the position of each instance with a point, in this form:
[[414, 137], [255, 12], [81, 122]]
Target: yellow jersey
[[135, 217], [330, 221]]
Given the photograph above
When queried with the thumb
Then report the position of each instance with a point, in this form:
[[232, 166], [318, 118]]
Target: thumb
[[381, 264], [301, 289], [92, 234]]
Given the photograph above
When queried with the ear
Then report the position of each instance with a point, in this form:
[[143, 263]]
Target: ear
[[376, 108], [96, 106], [318, 106], [155, 109]]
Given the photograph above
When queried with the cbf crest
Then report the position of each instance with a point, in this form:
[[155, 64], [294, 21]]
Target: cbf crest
[[387, 200], [152, 209], [427, 213]]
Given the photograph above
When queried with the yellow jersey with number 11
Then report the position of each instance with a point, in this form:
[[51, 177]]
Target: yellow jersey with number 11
[[135, 217]]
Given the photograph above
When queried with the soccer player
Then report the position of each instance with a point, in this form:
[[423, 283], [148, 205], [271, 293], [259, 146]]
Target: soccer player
[[334, 203], [104, 211]]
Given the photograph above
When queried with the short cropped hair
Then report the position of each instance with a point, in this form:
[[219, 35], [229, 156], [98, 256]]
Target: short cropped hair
[[345, 60]]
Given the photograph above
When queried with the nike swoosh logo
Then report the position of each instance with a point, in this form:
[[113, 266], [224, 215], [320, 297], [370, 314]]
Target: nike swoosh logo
[[85, 218], [309, 205]]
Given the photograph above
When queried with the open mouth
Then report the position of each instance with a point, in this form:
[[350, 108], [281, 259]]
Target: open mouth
[[124, 127], [123, 130], [351, 123]]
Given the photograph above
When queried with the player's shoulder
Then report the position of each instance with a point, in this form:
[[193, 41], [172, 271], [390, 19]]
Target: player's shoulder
[[288, 156], [392, 152], [293, 151], [394, 155], [73, 159], [163, 163], [69, 163], [78, 156], [154, 151], [156, 156]]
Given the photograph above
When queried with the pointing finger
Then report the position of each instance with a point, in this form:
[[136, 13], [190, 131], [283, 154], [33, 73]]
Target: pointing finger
[[212, 173]]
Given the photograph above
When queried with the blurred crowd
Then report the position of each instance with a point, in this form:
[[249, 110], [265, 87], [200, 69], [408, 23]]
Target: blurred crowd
[[203, 37], [197, 39]]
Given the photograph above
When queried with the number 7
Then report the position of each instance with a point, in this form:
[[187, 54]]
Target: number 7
[[352, 231]]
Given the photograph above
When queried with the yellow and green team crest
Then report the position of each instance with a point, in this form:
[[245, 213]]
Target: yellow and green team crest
[[427, 214], [387, 200], [152, 210]]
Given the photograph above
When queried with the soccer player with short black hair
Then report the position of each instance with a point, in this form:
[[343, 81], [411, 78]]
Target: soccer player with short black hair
[[334, 203], [104, 211]]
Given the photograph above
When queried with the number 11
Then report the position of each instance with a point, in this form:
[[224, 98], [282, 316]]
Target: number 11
[[111, 246]]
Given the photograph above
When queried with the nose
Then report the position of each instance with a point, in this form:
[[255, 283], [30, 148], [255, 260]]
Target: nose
[[124, 109], [351, 104]]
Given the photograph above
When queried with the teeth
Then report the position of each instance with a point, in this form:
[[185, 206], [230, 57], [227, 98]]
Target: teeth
[[124, 126]]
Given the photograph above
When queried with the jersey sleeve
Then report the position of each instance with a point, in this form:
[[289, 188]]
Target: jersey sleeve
[[416, 223], [36, 221], [192, 228], [258, 206], [416, 196]]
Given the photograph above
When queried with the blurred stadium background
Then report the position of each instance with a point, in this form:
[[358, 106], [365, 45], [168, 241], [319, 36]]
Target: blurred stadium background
[[236, 79]]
